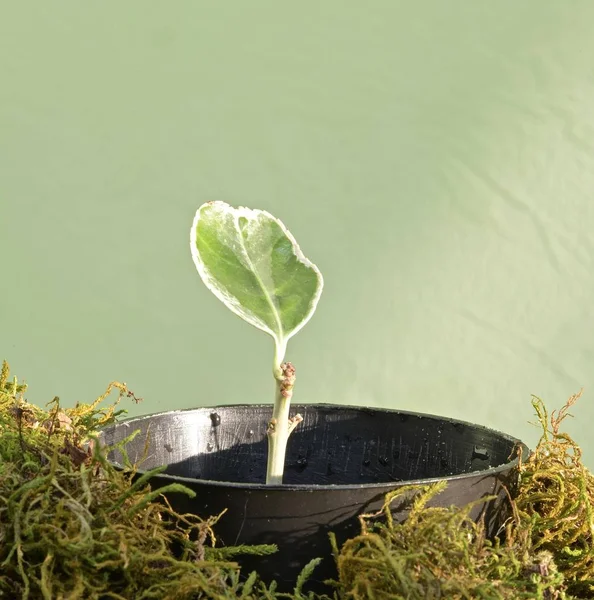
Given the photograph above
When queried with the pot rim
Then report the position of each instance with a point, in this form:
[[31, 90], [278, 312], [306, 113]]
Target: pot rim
[[310, 487]]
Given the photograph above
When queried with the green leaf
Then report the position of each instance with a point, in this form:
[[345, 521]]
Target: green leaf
[[251, 262]]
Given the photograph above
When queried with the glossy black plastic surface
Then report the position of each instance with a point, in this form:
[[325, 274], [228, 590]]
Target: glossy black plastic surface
[[341, 461]]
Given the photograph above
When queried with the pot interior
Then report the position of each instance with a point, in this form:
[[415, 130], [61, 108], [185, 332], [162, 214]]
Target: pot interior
[[334, 445]]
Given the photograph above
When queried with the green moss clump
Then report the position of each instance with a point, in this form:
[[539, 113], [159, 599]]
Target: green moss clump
[[73, 527], [439, 553], [545, 553], [554, 509]]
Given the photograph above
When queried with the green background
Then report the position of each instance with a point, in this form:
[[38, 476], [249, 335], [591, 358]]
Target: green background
[[435, 159]]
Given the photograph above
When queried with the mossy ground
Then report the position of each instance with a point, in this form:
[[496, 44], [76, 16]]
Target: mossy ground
[[73, 527]]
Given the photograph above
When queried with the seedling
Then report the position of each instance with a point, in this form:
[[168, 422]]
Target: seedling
[[250, 261]]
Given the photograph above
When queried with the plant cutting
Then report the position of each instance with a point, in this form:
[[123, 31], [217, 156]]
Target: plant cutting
[[250, 261], [289, 473]]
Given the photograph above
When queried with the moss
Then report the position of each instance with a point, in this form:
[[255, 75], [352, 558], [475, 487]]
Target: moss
[[545, 552], [72, 526], [554, 509]]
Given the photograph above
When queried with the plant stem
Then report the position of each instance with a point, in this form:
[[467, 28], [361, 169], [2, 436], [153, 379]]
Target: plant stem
[[280, 425]]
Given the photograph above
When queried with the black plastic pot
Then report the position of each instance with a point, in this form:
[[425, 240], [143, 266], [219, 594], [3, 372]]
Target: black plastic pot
[[341, 461]]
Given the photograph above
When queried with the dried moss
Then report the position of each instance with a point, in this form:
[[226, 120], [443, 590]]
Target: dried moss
[[554, 509], [546, 551], [439, 553], [72, 526]]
